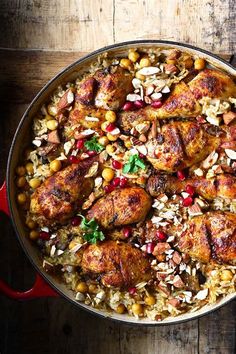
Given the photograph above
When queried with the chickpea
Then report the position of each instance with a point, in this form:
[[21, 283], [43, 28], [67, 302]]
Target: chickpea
[[104, 126], [133, 56], [92, 288], [21, 198], [108, 174], [20, 170], [139, 76], [110, 116], [171, 61], [150, 300], [125, 63], [137, 309], [120, 309], [48, 117], [226, 275], [55, 165], [82, 287], [110, 149], [31, 224], [188, 62], [103, 140], [29, 168], [128, 144], [34, 183], [52, 110], [21, 182], [52, 124], [112, 137], [199, 64], [34, 235], [144, 62]]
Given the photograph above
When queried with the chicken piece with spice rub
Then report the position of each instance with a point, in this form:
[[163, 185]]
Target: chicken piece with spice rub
[[121, 207], [118, 264]]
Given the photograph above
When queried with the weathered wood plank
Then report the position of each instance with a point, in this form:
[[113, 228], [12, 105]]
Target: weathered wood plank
[[207, 24], [217, 331], [87, 25], [56, 24]]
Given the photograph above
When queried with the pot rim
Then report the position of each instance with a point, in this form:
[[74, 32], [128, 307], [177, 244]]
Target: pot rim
[[91, 310]]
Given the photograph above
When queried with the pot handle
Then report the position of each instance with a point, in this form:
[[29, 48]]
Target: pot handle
[[40, 287]]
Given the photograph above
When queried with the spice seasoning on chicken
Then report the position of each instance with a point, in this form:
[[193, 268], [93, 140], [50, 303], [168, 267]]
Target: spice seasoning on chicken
[[129, 186]]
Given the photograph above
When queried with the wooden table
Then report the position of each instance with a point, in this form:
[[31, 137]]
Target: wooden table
[[37, 39]]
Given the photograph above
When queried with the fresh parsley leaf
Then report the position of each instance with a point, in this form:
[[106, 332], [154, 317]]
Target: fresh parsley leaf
[[134, 164], [93, 145], [92, 233]]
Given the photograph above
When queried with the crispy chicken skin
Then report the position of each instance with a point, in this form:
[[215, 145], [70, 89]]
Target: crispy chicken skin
[[106, 90], [210, 237], [180, 103], [118, 264], [121, 207], [180, 145], [212, 83], [113, 86], [61, 194], [223, 186], [183, 100]]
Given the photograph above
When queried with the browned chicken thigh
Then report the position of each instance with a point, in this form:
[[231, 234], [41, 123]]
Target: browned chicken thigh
[[223, 186], [180, 145], [183, 99], [106, 90], [118, 264], [61, 194], [121, 207], [210, 237]]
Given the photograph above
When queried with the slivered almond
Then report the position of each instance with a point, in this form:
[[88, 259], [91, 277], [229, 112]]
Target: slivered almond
[[133, 97], [154, 130], [210, 160], [142, 127], [149, 90], [66, 100], [194, 210], [149, 70], [231, 154], [142, 149], [229, 117]]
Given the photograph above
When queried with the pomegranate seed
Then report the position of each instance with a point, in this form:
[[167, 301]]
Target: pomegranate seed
[[123, 182], [128, 106], [116, 182], [44, 235], [187, 201], [181, 175], [73, 159], [161, 236], [109, 188], [116, 164], [127, 231], [75, 221], [156, 104], [141, 155], [190, 190], [139, 104], [132, 291], [80, 144], [91, 153], [150, 247], [110, 127]]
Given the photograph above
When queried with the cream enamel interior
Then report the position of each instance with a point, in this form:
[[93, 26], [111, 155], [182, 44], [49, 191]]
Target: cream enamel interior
[[22, 136]]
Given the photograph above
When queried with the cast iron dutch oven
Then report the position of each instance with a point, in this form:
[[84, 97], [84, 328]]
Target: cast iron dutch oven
[[45, 284]]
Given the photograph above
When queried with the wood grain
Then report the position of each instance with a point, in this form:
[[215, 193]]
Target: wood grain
[[39, 38], [85, 25]]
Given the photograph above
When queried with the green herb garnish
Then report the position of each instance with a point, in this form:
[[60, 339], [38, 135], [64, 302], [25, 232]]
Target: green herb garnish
[[134, 164], [92, 233], [93, 145]]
